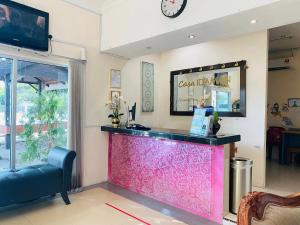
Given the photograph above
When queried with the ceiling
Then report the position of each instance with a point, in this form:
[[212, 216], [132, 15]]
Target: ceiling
[[267, 17], [281, 38], [284, 37], [91, 5]]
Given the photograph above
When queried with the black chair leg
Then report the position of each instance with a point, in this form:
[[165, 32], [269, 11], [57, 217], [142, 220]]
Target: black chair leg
[[65, 197], [270, 149], [280, 153]]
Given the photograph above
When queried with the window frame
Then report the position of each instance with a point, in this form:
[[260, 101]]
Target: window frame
[[13, 94]]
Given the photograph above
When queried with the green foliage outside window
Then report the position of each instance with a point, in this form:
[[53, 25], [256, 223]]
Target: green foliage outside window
[[45, 122]]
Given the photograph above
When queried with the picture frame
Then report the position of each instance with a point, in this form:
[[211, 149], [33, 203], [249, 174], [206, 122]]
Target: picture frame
[[294, 102], [114, 95], [115, 78]]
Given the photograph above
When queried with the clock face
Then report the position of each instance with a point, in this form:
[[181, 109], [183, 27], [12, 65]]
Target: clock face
[[173, 8]]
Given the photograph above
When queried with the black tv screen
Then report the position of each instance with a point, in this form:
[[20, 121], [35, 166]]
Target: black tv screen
[[23, 26]]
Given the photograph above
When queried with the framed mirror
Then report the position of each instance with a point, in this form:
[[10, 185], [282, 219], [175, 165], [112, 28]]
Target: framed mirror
[[222, 86]]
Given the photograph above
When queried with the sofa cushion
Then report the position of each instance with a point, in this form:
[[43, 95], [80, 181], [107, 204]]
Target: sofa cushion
[[278, 215], [29, 183]]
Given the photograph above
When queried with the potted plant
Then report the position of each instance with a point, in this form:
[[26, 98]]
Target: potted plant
[[216, 124], [115, 116]]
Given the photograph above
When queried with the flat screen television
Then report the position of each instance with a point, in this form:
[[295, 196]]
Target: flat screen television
[[23, 26]]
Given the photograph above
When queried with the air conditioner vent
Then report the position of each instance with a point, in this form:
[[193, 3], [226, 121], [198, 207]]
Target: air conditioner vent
[[281, 64]]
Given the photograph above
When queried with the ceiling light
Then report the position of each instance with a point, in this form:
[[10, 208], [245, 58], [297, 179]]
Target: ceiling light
[[253, 21], [3, 59], [148, 48], [191, 36]]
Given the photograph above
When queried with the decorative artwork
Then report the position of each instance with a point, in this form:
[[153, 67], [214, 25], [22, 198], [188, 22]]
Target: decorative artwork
[[285, 108], [147, 87], [115, 97], [287, 122], [276, 110], [294, 102], [115, 79]]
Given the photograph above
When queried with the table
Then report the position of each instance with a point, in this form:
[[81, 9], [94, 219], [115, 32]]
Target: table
[[290, 139]]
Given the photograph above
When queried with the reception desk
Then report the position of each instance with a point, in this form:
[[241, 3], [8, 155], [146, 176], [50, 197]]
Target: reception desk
[[172, 166]]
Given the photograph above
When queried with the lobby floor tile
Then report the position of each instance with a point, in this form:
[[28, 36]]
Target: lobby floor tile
[[87, 208], [91, 208]]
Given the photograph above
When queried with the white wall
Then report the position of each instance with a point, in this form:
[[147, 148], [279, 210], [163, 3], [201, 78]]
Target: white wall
[[253, 48], [134, 20], [284, 84], [131, 83], [73, 24]]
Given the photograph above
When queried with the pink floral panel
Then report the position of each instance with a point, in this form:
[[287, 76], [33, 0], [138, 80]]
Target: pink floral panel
[[185, 175]]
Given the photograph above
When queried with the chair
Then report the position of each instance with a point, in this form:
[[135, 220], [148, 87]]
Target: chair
[[260, 208], [274, 138], [292, 152], [34, 182]]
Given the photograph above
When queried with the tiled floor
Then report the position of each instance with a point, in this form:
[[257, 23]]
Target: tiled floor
[[281, 179], [284, 178], [89, 208]]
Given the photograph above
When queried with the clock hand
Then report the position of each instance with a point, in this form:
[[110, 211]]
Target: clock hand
[[172, 1]]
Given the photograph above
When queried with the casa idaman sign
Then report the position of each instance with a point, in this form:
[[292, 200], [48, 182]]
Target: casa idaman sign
[[222, 81]]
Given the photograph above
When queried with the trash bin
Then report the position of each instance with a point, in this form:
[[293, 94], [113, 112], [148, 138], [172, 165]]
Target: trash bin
[[240, 181]]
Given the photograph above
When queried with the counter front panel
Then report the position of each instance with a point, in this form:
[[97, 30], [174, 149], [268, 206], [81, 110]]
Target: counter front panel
[[186, 175]]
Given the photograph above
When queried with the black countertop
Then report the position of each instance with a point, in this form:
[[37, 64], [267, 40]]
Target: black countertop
[[179, 135]]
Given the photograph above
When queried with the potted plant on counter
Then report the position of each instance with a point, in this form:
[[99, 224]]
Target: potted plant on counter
[[115, 116], [216, 124]]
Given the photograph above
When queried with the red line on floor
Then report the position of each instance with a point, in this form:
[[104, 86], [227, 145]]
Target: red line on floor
[[126, 213]]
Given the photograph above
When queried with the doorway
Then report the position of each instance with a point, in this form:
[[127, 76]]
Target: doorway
[[283, 118]]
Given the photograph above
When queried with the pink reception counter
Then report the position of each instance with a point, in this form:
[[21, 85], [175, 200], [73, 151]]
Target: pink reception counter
[[170, 166]]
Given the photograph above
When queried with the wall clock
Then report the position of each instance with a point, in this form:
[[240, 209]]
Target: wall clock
[[173, 8]]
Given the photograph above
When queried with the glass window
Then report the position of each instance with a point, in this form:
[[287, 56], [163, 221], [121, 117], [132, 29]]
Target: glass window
[[5, 113], [221, 101], [41, 112]]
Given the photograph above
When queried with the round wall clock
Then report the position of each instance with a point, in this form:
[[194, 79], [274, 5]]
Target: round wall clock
[[173, 8]]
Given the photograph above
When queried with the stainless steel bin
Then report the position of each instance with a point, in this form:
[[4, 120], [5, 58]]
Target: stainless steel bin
[[240, 181]]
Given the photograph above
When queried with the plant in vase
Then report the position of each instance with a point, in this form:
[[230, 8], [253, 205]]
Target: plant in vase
[[115, 116], [216, 124], [202, 101]]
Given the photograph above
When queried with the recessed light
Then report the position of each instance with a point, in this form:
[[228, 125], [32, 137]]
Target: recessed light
[[148, 48], [253, 21], [192, 36]]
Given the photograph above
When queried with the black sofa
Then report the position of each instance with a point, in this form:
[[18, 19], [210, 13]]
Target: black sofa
[[34, 182]]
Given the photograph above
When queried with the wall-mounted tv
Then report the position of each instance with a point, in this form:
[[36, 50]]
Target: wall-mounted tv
[[23, 26]]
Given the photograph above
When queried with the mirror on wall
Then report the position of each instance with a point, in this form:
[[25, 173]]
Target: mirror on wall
[[222, 86]]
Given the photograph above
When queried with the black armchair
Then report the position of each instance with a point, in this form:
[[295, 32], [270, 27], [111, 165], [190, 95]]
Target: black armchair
[[34, 182], [63, 159]]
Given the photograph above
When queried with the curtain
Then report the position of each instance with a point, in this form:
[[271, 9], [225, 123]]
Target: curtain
[[77, 70]]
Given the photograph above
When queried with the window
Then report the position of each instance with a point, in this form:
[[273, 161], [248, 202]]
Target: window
[[221, 100], [33, 111], [6, 65]]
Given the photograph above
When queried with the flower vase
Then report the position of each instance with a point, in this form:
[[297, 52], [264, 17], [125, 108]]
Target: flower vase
[[115, 122], [216, 128]]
